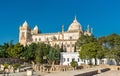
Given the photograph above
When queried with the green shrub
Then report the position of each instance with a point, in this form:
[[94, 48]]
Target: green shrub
[[15, 66], [74, 64], [6, 65]]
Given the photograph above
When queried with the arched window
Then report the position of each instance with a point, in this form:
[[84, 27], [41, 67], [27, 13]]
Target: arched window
[[31, 39], [35, 39], [67, 59], [64, 59], [54, 38], [73, 45], [39, 39], [47, 39], [68, 45], [70, 37], [78, 59]]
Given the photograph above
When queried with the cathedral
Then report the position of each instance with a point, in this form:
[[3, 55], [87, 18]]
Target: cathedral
[[66, 39]]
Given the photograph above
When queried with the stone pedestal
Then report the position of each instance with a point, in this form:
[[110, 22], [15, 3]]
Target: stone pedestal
[[18, 70], [6, 70], [12, 70], [29, 72]]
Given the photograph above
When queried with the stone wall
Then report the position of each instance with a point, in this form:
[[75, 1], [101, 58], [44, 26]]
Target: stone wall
[[52, 68], [11, 60]]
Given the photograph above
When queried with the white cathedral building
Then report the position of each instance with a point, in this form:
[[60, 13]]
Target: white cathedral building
[[66, 38]]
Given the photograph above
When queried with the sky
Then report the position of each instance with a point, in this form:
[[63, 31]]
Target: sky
[[102, 15]]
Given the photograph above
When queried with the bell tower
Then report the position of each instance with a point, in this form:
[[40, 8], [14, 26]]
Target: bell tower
[[24, 34]]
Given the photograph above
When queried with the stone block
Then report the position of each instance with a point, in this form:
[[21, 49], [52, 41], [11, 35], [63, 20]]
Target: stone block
[[29, 72]]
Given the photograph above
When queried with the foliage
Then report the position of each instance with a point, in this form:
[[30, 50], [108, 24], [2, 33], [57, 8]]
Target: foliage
[[113, 40], [6, 65], [90, 50], [74, 63], [4, 49], [53, 55], [32, 52], [16, 51], [29, 52], [85, 39], [39, 53], [2, 52], [45, 50], [111, 44], [15, 66], [109, 47]]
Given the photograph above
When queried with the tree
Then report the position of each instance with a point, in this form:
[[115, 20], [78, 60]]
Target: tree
[[39, 53], [4, 49], [90, 50], [46, 49], [102, 40], [10, 47], [113, 45], [42, 52], [16, 51], [74, 63], [29, 52], [85, 39], [113, 40], [2, 52], [54, 55], [90, 47]]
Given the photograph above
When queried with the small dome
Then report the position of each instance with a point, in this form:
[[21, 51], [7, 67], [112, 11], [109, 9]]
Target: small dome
[[75, 26], [25, 24], [36, 27]]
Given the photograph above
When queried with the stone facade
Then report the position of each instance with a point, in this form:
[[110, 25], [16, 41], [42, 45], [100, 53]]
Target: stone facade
[[66, 38]]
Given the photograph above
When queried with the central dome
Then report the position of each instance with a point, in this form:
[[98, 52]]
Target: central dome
[[75, 26]]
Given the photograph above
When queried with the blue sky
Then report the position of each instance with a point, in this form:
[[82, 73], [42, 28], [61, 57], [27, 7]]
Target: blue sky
[[50, 15]]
